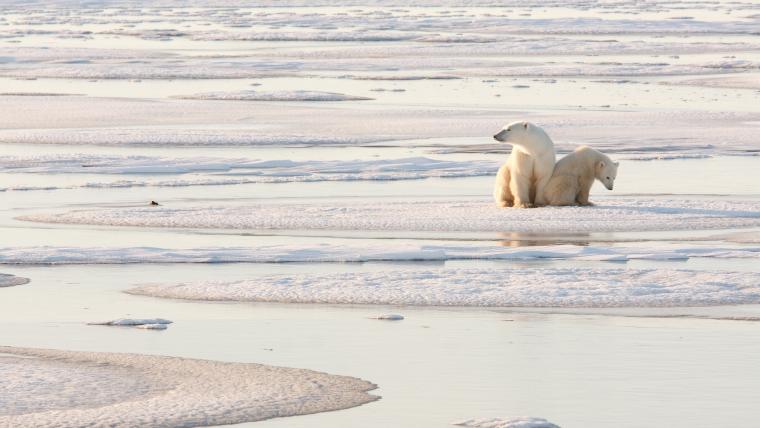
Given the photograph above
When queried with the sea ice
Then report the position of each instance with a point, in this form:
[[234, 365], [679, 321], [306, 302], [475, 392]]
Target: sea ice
[[488, 287], [55, 388]]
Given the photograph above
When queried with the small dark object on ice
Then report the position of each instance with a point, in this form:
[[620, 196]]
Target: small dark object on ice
[[154, 203]]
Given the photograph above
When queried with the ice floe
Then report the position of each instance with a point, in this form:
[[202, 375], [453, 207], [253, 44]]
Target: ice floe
[[8, 280], [488, 287], [610, 215], [273, 96], [522, 422], [148, 323], [55, 388], [329, 253]]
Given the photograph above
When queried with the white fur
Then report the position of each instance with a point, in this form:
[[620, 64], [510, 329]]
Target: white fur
[[574, 175], [520, 182]]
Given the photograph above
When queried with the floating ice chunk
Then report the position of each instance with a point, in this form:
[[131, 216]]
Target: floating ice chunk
[[487, 287], [389, 317], [273, 96], [133, 322], [66, 389], [521, 422], [8, 280]]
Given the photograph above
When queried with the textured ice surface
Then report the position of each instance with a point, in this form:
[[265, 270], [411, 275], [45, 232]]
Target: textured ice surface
[[522, 422], [273, 96], [326, 253], [8, 280], [53, 388], [519, 287], [610, 215]]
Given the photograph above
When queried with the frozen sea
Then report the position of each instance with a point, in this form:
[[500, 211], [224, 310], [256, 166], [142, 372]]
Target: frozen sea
[[319, 165]]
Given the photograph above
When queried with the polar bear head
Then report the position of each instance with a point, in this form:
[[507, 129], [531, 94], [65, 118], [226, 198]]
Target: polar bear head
[[515, 132], [527, 136], [606, 171]]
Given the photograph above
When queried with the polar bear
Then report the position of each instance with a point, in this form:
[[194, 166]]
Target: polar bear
[[575, 173], [520, 182]]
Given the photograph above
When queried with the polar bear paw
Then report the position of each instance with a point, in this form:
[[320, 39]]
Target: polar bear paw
[[523, 205]]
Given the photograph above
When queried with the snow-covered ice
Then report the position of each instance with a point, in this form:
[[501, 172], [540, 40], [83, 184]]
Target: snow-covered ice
[[327, 253], [610, 215], [55, 388], [515, 287], [521, 422], [8, 280]]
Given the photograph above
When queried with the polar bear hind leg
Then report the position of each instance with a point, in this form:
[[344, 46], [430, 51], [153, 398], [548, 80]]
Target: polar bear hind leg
[[562, 190]]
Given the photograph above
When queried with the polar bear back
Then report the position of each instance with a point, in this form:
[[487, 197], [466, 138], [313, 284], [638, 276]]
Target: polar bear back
[[580, 163]]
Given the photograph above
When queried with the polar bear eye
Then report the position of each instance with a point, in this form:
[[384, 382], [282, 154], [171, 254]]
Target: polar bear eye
[[608, 178]]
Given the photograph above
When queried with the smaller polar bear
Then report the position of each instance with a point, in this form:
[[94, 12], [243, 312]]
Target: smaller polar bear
[[520, 182], [575, 173]]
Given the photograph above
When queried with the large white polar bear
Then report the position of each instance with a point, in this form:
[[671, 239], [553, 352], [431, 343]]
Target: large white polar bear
[[575, 173], [520, 182]]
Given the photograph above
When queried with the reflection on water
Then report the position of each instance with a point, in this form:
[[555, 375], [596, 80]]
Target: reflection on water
[[522, 239]]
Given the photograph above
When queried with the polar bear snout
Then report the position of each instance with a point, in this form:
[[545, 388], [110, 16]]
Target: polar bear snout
[[500, 135]]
